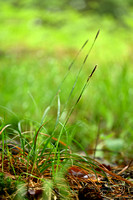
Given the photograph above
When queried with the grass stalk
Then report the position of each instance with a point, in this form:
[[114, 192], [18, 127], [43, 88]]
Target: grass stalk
[[84, 61], [70, 112], [3, 143]]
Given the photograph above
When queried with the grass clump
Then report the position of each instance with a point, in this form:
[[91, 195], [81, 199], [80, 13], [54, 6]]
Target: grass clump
[[44, 159], [36, 49]]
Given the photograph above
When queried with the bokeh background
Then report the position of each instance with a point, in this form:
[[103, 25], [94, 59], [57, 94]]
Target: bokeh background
[[38, 41]]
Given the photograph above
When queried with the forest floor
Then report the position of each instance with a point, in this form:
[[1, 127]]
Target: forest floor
[[85, 179]]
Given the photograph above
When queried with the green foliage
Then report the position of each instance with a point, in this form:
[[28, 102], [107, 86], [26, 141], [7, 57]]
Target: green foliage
[[111, 7], [6, 185], [14, 189], [36, 50]]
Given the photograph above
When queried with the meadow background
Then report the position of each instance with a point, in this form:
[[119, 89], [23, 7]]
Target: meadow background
[[38, 41]]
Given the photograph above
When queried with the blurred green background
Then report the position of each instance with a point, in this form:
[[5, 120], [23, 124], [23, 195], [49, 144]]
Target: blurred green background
[[38, 41]]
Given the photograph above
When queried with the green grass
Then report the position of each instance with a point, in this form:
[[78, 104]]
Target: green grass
[[39, 162], [36, 49]]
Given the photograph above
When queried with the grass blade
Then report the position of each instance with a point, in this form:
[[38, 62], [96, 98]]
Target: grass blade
[[58, 112], [45, 113]]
